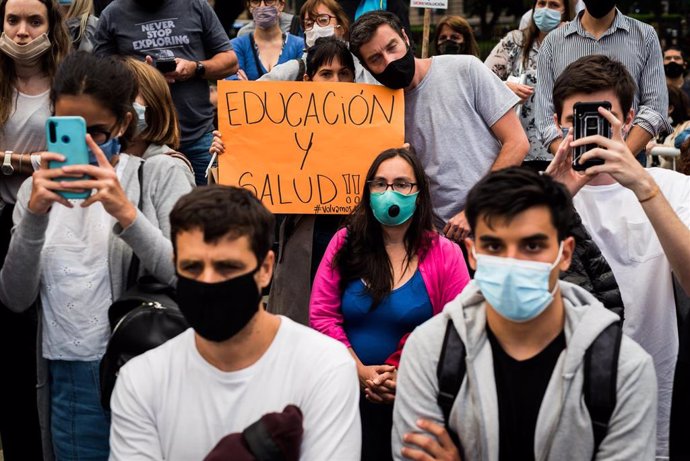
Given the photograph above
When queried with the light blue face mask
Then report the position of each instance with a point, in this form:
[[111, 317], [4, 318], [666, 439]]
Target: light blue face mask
[[65, 2], [518, 290], [141, 117], [110, 148], [391, 208], [546, 19]]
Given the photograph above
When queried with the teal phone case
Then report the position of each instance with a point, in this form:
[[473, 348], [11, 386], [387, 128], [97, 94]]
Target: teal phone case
[[67, 136]]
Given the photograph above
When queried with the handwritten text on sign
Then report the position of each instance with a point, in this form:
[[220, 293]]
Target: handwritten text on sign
[[305, 147]]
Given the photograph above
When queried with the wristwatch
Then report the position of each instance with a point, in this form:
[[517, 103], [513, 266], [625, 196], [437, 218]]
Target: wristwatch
[[7, 168], [200, 69]]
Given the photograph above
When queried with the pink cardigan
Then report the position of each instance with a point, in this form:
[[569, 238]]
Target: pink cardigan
[[442, 268]]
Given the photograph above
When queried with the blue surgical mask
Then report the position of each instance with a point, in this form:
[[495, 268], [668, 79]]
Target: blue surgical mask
[[564, 132], [141, 117], [518, 290], [546, 19], [65, 2], [110, 148], [391, 208]]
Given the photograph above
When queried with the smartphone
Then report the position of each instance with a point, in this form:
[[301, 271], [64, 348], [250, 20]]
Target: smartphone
[[587, 121], [165, 62], [67, 136]]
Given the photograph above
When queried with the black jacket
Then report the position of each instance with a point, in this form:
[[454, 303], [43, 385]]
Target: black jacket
[[590, 270]]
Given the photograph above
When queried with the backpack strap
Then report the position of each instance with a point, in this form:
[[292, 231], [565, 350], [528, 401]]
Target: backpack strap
[[601, 370], [133, 272], [450, 372]]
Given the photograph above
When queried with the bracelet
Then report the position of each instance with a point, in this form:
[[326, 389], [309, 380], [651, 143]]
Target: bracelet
[[21, 156], [654, 193]]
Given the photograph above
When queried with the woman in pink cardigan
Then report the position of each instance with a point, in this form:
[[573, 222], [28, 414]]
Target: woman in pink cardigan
[[382, 275]]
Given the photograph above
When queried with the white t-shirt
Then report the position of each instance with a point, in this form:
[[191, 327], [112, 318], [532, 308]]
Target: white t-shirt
[[24, 133], [619, 226], [75, 280], [171, 404]]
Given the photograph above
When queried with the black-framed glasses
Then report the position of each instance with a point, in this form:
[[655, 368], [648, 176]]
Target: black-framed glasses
[[257, 3], [323, 20], [99, 134], [379, 186]]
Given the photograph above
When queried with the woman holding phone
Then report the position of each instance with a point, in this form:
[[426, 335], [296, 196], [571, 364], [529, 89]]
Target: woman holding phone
[[514, 60], [71, 258], [32, 44]]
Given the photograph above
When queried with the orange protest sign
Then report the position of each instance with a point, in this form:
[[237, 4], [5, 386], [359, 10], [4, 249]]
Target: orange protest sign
[[305, 147]]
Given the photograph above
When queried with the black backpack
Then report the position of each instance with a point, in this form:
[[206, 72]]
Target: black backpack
[[599, 388], [143, 318]]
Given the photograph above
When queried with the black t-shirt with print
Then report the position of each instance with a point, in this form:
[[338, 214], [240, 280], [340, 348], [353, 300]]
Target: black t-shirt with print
[[520, 388]]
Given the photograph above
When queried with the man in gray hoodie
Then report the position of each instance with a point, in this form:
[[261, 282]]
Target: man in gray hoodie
[[525, 336]]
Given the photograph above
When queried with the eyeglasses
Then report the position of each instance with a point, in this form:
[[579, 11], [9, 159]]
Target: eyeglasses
[[379, 186], [323, 20], [99, 134], [257, 3]]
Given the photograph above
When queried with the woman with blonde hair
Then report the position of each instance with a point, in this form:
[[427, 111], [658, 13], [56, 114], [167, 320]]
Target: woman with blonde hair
[[81, 23], [454, 35], [158, 131]]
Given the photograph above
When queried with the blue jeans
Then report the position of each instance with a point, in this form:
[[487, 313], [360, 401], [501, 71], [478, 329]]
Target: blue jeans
[[79, 425], [197, 153]]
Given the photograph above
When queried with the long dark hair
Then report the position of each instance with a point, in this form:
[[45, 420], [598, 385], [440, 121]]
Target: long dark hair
[[59, 38], [530, 34], [363, 256], [106, 79]]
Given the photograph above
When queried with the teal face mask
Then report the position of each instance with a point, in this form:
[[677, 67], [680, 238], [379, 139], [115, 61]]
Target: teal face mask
[[391, 208], [518, 290]]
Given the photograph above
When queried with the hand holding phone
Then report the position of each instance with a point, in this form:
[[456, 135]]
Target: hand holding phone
[[67, 136], [587, 121]]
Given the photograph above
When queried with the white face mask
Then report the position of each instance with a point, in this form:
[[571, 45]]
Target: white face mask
[[317, 32]]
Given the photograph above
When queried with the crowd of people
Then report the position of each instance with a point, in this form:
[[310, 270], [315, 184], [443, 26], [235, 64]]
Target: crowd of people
[[507, 288]]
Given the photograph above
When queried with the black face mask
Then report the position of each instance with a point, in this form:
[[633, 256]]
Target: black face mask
[[218, 311], [398, 74], [599, 8], [673, 70], [450, 47]]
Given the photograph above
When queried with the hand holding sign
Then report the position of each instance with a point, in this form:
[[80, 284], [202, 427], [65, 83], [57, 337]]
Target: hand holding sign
[[305, 147]]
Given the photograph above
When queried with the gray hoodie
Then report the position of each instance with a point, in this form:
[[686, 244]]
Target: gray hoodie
[[564, 429]]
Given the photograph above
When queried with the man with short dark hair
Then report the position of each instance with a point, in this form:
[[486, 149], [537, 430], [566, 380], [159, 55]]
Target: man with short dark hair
[[237, 362], [675, 67], [520, 361], [458, 114], [602, 29], [190, 30], [638, 217]]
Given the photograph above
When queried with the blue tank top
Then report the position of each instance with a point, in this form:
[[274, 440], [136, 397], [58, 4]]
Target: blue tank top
[[374, 335]]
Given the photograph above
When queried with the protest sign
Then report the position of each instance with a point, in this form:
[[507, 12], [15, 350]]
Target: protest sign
[[429, 4], [305, 147]]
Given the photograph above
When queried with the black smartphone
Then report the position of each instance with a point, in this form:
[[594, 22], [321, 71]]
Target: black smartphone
[[587, 121], [165, 62]]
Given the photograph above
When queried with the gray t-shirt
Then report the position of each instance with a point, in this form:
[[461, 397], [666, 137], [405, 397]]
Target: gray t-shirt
[[448, 119], [189, 28]]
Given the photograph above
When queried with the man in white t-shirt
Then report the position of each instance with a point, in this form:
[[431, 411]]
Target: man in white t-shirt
[[237, 362], [638, 217], [458, 114]]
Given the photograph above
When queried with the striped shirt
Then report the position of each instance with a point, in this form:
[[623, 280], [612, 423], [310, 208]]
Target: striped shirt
[[633, 43]]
